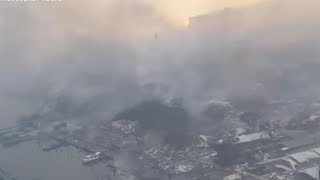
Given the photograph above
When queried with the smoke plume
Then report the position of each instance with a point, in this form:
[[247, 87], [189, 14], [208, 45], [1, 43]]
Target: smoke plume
[[115, 54]]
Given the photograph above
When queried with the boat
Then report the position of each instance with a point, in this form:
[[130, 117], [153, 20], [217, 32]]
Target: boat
[[91, 158]]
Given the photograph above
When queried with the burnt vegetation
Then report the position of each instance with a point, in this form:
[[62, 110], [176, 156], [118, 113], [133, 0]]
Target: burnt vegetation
[[157, 116]]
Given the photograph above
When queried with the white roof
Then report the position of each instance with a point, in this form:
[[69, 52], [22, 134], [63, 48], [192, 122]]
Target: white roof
[[317, 150], [232, 177], [314, 117], [305, 156], [313, 172], [252, 137]]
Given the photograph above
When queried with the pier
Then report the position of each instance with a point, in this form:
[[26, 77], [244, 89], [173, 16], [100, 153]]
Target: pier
[[54, 146], [85, 146], [5, 175]]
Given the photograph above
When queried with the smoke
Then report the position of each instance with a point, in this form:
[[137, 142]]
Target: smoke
[[115, 54]]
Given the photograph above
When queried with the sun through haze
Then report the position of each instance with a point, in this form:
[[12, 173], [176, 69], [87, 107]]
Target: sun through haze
[[178, 12], [135, 18]]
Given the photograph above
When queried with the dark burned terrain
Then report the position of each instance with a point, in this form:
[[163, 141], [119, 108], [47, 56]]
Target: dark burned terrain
[[172, 120]]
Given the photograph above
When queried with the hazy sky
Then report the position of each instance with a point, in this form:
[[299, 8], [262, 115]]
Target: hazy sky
[[127, 16], [81, 47], [179, 11]]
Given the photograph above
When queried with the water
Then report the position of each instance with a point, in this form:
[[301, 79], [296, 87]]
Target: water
[[27, 161]]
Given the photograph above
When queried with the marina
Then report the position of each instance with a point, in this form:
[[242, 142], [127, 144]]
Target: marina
[[63, 163]]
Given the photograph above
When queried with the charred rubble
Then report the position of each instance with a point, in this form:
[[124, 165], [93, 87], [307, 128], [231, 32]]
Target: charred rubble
[[260, 148], [157, 140], [171, 120]]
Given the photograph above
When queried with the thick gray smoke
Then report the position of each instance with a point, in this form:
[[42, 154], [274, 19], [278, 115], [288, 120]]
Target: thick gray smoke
[[270, 50]]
